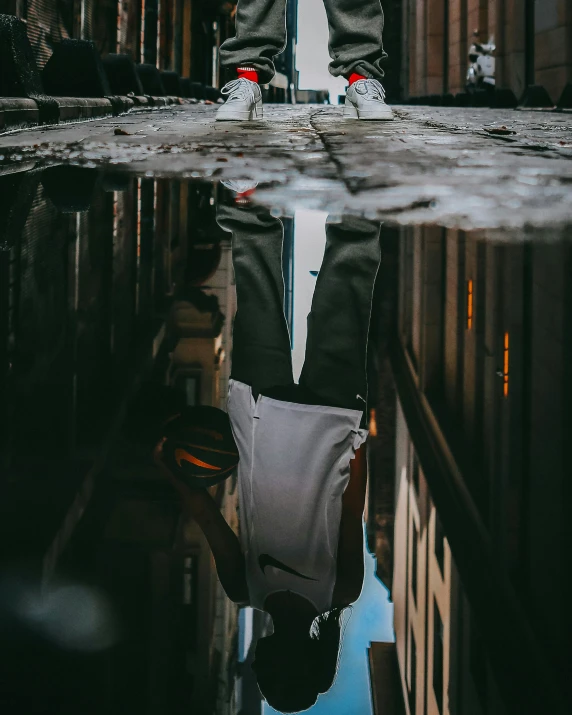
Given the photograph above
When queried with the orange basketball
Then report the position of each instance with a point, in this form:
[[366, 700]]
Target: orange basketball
[[199, 448]]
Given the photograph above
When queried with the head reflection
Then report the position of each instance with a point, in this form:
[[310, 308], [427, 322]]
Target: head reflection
[[302, 469], [299, 660]]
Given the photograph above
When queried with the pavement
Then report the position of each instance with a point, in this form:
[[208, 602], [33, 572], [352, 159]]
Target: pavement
[[461, 168]]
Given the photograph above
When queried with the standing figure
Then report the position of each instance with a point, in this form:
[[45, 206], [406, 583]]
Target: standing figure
[[355, 45]]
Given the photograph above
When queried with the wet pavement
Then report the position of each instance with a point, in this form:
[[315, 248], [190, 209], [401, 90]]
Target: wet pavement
[[367, 360], [458, 167]]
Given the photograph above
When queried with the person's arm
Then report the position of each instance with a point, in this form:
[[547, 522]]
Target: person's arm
[[350, 569], [222, 540]]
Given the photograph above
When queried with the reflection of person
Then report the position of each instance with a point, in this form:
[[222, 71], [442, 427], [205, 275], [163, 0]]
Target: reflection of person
[[302, 471], [355, 46]]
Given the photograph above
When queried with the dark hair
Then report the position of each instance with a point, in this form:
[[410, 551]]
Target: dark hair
[[293, 669]]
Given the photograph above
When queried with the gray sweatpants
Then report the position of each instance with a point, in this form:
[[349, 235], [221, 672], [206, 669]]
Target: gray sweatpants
[[335, 363], [355, 43]]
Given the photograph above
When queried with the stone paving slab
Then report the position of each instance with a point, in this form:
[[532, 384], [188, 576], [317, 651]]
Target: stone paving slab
[[181, 140], [466, 168], [459, 167]]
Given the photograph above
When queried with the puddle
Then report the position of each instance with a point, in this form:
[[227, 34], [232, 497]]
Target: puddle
[[438, 357]]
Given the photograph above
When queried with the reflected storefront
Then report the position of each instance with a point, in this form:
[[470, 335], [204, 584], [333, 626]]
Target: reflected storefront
[[125, 300]]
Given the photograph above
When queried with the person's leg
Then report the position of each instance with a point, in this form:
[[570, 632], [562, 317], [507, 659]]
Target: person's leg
[[335, 366], [260, 36], [356, 49], [355, 43], [261, 355]]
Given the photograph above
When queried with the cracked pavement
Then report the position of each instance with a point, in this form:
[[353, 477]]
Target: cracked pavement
[[457, 167]]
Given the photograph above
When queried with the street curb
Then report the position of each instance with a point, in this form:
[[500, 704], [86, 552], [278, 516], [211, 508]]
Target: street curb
[[151, 80], [536, 97], [504, 98], [565, 101], [77, 108], [186, 87], [69, 188], [76, 84], [122, 75], [171, 83], [21, 112], [75, 69], [18, 112]]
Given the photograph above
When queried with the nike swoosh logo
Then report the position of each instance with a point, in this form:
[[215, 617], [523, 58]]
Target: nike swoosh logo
[[265, 560], [181, 455]]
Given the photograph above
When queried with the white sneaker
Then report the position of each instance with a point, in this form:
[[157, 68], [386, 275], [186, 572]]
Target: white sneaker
[[242, 190], [365, 99], [244, 101]]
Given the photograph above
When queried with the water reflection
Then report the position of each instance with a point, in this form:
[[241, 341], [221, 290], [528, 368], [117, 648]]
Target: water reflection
[[123, 300], [480, 426], [302, 470]]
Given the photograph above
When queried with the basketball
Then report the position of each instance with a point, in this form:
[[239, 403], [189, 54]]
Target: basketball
[[199, 447]]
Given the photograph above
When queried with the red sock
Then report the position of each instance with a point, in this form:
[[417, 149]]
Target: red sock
[[354, 78], [248, 73]]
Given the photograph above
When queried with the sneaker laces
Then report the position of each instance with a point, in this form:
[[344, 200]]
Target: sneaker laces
[[371, 87], [240, 88]]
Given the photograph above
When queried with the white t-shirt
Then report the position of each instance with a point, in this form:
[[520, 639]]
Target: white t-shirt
[[294, 467]]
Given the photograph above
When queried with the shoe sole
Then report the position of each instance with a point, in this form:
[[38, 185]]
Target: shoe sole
[[351, 112], [235, 116]]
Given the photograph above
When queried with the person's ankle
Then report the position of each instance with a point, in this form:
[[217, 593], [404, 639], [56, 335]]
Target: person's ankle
[[354, 77], [247, 73]]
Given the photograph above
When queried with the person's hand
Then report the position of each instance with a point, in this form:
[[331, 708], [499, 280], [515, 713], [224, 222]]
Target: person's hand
[[159, 462], [165, 471]]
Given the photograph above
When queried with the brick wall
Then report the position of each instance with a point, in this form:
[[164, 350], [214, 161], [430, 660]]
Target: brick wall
[[437, 34], [553, 46], [511, 45], [457, 45]]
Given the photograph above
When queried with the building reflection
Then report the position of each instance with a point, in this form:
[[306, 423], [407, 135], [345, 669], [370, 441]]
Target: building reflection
[[116, 305], [476, 389]]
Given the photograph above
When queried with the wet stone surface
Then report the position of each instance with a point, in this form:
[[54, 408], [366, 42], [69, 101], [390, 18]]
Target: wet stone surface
[[463, 168], [135, 295]]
